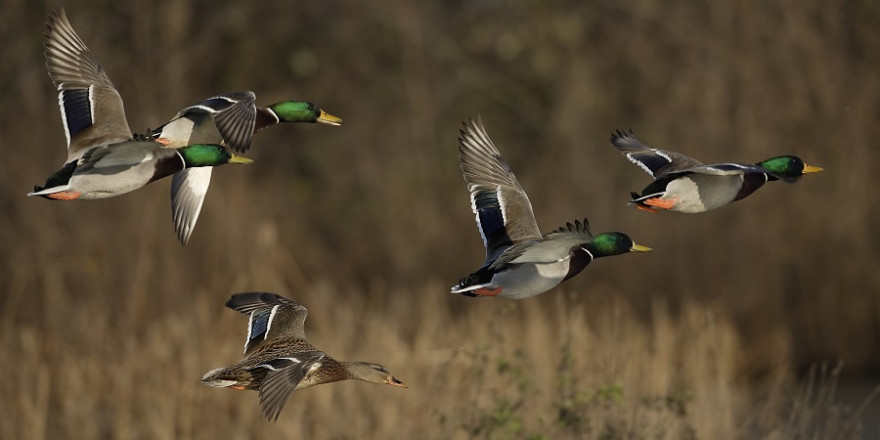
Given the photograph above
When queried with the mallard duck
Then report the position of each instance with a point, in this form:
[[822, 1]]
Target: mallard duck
[[230, 119], [103, 158], [520, 262], [277, 357], [111, 170], [683, 184]]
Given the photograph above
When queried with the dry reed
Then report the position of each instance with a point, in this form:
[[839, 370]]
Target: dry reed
[[106, 323]]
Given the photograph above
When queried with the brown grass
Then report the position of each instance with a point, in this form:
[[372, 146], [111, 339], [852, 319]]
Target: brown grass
[[106, 323]]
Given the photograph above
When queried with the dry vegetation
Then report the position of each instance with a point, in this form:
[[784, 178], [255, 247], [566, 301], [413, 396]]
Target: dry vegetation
[[106, 323]]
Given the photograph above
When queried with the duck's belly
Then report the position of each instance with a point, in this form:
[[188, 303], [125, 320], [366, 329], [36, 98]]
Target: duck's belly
[[122, 169], [702, 192], [101, 186], [527, 280]]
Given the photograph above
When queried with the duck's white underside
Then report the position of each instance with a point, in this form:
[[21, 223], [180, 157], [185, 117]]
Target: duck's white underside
[[525, 280]]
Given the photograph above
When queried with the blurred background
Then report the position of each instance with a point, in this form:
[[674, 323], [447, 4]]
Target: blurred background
[[757, 320]]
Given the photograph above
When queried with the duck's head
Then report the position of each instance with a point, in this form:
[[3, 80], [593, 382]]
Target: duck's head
[[788, 168], [302, 111], [607, 244], [209, 155], [372, 373]]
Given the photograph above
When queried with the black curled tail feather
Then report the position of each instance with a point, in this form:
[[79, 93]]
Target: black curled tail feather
[[38, 188], [634, 199], [482, 276]]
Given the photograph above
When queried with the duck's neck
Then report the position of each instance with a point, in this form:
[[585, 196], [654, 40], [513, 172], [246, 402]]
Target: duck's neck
[[355, 370], [364, 371]]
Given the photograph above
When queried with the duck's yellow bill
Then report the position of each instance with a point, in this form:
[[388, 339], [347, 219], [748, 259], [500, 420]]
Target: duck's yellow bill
[[240, 159], [640, 248], [811, 169], [327, 118]]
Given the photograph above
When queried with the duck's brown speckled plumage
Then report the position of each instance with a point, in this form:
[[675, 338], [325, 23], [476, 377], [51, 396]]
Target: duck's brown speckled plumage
[[278, 358]]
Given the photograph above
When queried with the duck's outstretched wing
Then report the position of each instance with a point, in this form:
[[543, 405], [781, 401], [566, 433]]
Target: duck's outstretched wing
[[270, 316], [91, 108], [654, 161], [502, 209], [283, 376]]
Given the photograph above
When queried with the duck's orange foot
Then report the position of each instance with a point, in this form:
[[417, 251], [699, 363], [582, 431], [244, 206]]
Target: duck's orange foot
[[657, 202], [237, 387], [647, 209], [488, 291], [64, 195]]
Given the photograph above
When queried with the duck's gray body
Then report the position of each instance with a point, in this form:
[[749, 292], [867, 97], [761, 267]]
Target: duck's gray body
[[113, 170], [525, 280], [697, 192]]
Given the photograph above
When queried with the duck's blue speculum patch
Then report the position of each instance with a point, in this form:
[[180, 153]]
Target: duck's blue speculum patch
[[259, 326], [491, 223], [77, 108]]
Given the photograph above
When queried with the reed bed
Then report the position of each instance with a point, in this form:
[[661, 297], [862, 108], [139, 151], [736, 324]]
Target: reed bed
[[740, 324]]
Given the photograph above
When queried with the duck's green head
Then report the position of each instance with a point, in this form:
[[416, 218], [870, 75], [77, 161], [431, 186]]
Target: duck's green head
[[302, 111], [209, 155], [607, 244], [787, 168]]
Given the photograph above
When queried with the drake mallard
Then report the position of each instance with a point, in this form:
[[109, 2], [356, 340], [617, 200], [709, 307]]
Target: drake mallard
[[278, 358], [683, 184], [520, 262], [231, 120], [103, 158]]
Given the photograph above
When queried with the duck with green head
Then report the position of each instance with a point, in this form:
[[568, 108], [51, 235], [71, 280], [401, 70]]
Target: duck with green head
[[293, 111], [278, 358], [116, 169], [520, 261], [229, 119], [683, 184], [103, 158]]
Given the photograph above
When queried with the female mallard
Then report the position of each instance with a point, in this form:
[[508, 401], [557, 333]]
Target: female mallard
[[230, 119], [520, 262], [103, 158], [683, 184], [278, 358]]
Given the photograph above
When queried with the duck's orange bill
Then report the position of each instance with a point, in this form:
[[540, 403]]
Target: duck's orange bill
[[811, 169]]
